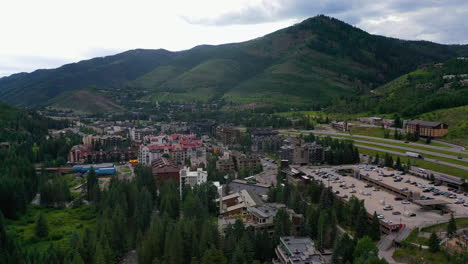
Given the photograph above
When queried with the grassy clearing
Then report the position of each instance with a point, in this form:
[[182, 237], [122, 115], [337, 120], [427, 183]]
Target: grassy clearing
[[323, 115], [414, 238], [415, 146], [421, 163], [416, 255], [461, 223], [449, 160], [62, 224]]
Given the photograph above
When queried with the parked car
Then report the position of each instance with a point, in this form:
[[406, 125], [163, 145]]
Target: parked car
[[412, 215], [405, 202], [396, 213], [398, 198], [388, 207], [380, 216]]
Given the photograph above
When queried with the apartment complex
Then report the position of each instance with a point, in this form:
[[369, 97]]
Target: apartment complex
[[297, 250], [178, 147], [265, 140], [192, 178], [427, 128], [164, 169]]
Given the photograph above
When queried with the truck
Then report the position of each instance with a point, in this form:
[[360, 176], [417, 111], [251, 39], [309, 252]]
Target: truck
[[414, 155]]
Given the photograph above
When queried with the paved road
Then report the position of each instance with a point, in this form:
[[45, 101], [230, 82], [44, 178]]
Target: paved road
[[426, 159], [336, 135], [268, 175], [409, 149], [453, 148]]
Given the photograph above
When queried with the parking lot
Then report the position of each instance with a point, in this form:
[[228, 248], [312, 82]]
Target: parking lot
[[376, 199]]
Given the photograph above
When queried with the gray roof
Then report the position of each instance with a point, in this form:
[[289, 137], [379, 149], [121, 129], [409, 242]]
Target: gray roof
[[424, 123]]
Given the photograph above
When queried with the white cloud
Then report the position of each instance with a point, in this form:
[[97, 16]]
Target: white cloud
[[48, 33]]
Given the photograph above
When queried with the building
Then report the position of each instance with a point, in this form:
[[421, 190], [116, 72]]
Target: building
[[228, 135], [235, 204], [373, 120], [164, 169], [178, 147], [297, 250], [341, 126], [426, 128], [245, 161], [137, 134], [203, 127], [225, 165], [316, 153], [80, 154], [265, 140], [260, 218], [294, 151], [103, 141], [192, 178], [99, 169]]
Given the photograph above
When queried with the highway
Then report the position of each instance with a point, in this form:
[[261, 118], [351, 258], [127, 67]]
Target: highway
[[453, 148], [335, 134], [403, 154]]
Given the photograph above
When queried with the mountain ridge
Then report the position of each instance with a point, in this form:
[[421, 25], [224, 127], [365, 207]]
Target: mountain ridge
[[311, 62]]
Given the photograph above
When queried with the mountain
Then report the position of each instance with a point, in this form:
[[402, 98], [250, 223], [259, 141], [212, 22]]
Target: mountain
[[311, 62], [429, 88]]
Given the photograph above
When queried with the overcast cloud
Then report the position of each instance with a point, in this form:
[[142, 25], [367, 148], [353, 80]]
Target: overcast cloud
[[49, 33]]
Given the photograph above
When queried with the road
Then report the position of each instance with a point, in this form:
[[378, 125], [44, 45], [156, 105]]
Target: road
[[408, 148], [268, 175], [426, 159], [453, 148], [337, 135]]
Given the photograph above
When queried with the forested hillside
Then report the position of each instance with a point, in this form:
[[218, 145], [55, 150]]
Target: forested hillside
[[431, 87], [310, 63]]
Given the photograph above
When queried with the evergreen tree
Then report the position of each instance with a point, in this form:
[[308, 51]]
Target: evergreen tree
[[99, 255], [452, 226], [377, 159], [362, 223], [42, 227], [365, 249], [374, 231], [214, 256], [398, 164], [408, 165], [92, 185], [77, 259], [282, 224], [434, 243]]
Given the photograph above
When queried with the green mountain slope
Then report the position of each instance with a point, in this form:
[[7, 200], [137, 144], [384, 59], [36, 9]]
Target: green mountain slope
[[456, 118], [312, 62], [431, 87]]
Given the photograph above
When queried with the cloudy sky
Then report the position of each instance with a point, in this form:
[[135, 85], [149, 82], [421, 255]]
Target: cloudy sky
[[49, 33]]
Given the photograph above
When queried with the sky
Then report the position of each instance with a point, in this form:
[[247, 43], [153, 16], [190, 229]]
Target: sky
[[37, 34]]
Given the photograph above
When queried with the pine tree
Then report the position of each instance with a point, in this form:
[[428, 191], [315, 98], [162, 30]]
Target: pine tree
[[408, 165], [42, 228], [92, 185], [361, 225], [434, 243], [77, 258], [398, 164], [364, 250], [99, 255], [452, 226], [374, 231]]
